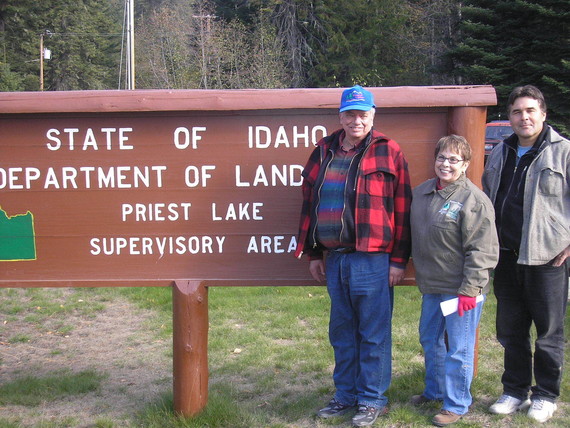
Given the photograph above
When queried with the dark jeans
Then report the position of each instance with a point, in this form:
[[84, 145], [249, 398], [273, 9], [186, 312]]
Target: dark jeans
[[527, 294]]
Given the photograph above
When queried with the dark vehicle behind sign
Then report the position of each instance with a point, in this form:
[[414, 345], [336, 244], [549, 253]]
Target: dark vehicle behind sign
[[495, 132]]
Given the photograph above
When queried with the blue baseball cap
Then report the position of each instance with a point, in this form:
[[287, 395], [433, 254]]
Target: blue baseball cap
[[356, 98]]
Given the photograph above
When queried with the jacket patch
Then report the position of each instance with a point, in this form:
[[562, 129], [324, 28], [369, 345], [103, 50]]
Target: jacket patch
[[451, 209]]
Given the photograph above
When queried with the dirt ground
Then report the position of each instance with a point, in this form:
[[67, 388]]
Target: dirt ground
[[137, 365]]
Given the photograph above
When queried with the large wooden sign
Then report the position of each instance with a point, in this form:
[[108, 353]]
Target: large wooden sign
[[186, 189], [146, 187]]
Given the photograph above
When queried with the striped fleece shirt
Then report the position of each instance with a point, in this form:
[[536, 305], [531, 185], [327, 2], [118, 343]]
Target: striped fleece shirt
[[383, 197]]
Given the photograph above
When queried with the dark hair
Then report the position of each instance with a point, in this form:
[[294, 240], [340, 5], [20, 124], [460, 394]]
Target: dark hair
[[454, 143], [526, 91]]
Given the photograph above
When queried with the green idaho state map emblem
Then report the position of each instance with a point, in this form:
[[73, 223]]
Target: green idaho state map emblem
[[17, 237]]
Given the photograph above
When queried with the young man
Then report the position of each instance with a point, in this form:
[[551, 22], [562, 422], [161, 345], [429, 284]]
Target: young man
[[528, 179]]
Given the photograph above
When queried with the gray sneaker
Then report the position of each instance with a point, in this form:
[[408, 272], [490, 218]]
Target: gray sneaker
[[335, 408], [367, 415], [541, 410], [506, 405]]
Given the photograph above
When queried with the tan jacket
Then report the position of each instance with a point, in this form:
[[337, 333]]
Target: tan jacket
[[454, 239]]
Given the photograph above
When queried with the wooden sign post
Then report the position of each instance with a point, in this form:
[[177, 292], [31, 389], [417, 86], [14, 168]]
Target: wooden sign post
[[186, 188]]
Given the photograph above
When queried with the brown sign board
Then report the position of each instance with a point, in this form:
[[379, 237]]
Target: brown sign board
[[141, 188]]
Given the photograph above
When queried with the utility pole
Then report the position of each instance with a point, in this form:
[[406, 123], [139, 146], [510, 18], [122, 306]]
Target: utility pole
[[42, 62], [131, 45], [42, 56]]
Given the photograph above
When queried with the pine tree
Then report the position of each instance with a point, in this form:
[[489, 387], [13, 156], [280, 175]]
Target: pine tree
[[374, 43], [84, 37], [512, 43], [19, 35], [9, 81], [85, 45]]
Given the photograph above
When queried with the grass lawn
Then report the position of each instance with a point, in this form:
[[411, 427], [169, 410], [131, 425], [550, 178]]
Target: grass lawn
[[270, 362]]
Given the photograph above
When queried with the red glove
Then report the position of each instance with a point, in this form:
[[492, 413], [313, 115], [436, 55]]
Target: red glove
[[466, 303]]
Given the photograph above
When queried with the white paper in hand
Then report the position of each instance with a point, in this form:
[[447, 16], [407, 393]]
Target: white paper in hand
[[450, 306]]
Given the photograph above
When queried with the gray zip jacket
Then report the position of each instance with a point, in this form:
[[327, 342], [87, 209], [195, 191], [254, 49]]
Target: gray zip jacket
[[546, 207], [454, 239]]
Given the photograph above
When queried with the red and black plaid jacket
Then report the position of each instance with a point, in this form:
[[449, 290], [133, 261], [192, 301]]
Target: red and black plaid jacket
[[383, 199]]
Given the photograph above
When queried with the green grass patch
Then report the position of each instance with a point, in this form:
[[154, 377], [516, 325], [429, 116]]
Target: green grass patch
[[19, 338], [47, 308], [270, 360], [222, 411], [271, 363], [269, 354], [9, 423], [32, 391]]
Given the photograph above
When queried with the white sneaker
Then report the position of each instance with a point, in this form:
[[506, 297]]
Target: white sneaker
[[541, 410], [506, 405]]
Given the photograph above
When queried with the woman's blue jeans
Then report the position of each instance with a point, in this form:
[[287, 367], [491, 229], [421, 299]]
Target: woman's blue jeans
[[360, 328], [449, 369]]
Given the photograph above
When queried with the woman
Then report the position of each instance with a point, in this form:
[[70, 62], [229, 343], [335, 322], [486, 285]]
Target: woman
[[454, 248]]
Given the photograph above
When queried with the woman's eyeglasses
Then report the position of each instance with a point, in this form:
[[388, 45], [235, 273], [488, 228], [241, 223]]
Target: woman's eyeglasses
[[452, 160]]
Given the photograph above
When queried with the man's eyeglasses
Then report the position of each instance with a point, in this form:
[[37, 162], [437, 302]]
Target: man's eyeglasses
[[452, 160]]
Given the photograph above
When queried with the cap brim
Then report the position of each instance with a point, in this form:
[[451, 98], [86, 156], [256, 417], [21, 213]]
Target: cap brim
[[356, 107]]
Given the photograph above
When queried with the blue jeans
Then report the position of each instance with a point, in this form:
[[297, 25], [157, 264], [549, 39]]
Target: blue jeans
[[526, 295], [360, 328], [449, 369]]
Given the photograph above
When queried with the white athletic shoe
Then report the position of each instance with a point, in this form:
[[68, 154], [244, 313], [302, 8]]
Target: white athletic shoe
[[506, 405], [541, 410]]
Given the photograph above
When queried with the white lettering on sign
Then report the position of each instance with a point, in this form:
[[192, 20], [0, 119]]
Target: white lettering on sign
[[156, 212], [242, 212], [146, 245], [278, 175], [194, 176], [183, 137], [108, 138], [272, 244], [261, 137], [71, 141], [87, 177]]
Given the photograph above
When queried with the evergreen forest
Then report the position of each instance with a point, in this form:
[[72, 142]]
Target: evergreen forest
[[230, 44]]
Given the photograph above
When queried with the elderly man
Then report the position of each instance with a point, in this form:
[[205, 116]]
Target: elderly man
[[528, 179], [356, 204]]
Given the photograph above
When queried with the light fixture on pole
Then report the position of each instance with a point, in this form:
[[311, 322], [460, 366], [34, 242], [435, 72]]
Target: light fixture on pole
[[44, 54]]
